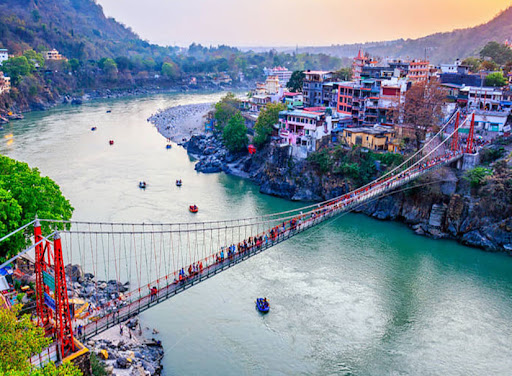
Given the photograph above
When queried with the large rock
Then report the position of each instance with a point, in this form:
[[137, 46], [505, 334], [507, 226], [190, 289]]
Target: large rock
[[476, 239], [74, 272]]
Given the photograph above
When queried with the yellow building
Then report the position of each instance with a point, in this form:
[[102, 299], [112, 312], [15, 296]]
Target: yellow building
[[272, 85], [378, 139], [53, 55]]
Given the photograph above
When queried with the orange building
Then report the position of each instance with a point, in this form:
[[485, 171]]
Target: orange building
[[419, 70]]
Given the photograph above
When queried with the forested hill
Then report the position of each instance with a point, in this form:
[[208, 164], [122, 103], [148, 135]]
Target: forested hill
[[440, 47], [77, 28]]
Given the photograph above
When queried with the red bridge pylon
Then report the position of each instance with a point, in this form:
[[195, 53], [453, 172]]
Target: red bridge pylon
[[455, 137], [469, 145], [52, 303]]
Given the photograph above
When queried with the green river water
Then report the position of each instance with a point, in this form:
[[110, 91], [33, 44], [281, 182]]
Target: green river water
[[356, 296]]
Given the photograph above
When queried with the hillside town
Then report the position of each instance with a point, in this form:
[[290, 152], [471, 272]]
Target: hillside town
[[362, 111]]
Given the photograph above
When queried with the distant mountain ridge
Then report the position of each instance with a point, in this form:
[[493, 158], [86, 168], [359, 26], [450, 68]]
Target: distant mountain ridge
[[439, 48], [77, 28]]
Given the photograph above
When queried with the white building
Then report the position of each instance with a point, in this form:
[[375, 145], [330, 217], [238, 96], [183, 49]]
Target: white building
[[4, 55], [456, 67], [483, 98], [283, 74], [303, 130], [491, 121]]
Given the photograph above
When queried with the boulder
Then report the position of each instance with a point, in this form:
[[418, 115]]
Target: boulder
[[74, 272]]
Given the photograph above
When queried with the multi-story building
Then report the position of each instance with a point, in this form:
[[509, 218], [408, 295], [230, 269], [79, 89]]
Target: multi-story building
[[361, 61], [330, 94], [293, 100], [5, 83], [272, 85], [53, 55], [402, 66], [456, 67], [304, 130], [355, 98], [313, 87], [491, 110], [4, 55], [419, 70], [283, 74], [483, 98]]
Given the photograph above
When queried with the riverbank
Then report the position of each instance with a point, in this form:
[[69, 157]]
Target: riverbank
[[181, 122], [19, 105]]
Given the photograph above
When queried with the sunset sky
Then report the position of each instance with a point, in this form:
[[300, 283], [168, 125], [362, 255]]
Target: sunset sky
[[292, 22]]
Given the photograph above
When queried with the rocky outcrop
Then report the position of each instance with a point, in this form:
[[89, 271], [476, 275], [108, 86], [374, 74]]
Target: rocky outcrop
[[130, 354], [440, 205]]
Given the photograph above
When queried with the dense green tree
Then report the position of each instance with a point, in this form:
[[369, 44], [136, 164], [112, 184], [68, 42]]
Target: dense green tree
[[16, 67], [170, 70], [473, 63], [74, 64], [499, 53], [10, 219], [33, 58], [296, 81], [21, 338], [489, 65], [23, 187], [110, 67], [495, 79], [225, 109], [123, 63], [477, 175], [267, 118], [234, 134]]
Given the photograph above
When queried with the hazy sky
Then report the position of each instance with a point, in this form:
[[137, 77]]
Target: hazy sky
[[291, 22]]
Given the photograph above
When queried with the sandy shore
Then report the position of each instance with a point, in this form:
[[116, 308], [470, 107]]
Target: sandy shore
[[177, 123]]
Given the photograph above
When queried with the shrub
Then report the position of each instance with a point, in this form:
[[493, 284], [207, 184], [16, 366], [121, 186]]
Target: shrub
[[476, 176]]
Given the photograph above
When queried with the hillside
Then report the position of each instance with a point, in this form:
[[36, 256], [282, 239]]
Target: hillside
[[440, 47], [77, 28]]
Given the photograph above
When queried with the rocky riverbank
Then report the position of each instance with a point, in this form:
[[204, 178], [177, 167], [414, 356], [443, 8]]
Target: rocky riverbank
[[126, 351], [444, 205], [181, 122], [128, 348], [214, 157]]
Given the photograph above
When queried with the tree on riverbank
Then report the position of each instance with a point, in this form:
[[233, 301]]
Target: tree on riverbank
[[23, 194], [235, 134], [20, 338], [225, 109], [268, 116]]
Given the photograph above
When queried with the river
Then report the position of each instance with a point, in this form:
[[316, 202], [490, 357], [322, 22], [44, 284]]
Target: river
[[356, 296]]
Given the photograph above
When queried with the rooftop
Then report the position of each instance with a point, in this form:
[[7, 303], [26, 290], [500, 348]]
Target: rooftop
[[302, 113]]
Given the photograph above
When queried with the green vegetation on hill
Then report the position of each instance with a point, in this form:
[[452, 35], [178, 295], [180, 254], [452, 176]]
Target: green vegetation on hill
[[77, 28], [356, 164]]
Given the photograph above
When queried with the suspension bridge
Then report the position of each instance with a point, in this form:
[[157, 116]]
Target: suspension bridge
[[159, 260]]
